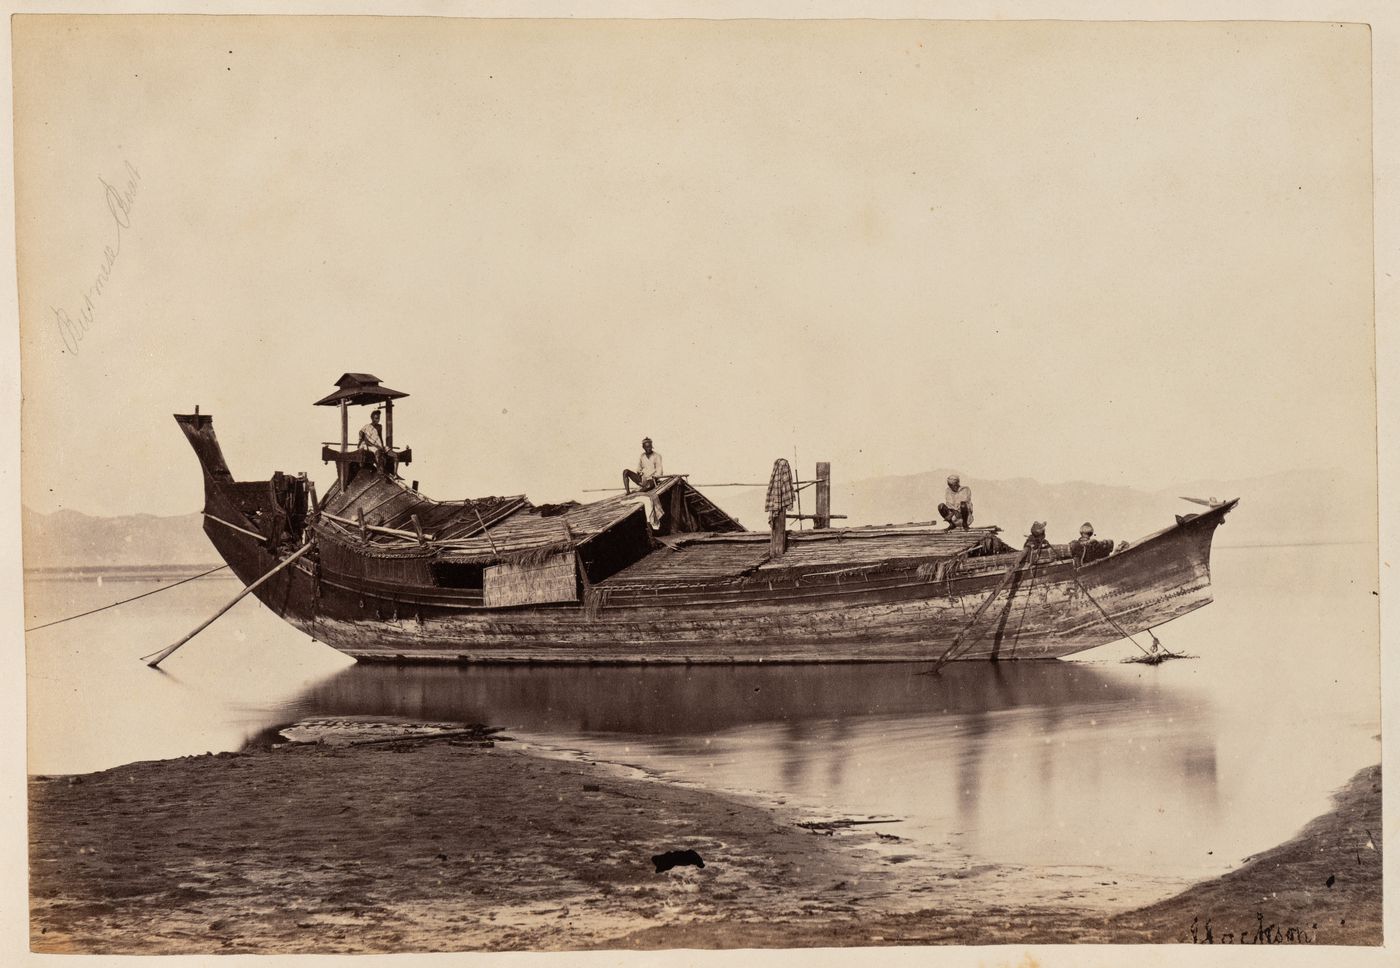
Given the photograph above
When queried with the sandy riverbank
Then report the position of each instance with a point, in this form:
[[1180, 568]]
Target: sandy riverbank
[[455, 844]]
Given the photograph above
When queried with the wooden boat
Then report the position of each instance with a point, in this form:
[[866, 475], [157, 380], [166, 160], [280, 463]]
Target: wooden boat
[[382, 572]]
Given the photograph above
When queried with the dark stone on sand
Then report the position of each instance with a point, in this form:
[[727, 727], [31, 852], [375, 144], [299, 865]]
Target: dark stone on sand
[[676, 858]]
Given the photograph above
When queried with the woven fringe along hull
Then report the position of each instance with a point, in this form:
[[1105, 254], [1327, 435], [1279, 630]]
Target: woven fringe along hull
[[553, 580], [534, 556], [932, 571]]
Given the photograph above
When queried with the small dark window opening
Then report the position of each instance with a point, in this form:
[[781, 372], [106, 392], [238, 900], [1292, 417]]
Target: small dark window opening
[[457, 574], [625, 543]]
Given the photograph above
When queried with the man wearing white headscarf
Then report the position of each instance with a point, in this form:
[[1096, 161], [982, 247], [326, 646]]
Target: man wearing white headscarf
[[648, 470], [956, 508]]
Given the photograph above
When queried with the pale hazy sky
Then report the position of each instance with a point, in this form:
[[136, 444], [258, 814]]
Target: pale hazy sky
[[1131, 253]]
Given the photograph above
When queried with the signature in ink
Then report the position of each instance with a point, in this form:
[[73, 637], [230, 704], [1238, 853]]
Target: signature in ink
[[1254, 934], [72, 329]]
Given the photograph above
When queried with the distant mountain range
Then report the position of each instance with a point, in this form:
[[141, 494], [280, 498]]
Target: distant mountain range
[[1283, 508], [1292, 507], [71, 539]]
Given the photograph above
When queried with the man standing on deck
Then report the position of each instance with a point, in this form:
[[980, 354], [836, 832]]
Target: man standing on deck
[[648, 470], [957, 504], [372, 440]]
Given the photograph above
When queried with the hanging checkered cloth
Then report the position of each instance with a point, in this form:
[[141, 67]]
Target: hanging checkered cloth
[[779, 488]]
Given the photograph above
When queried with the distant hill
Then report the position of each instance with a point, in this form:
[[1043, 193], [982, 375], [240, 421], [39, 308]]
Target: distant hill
[[68, 539], [1275, 509]]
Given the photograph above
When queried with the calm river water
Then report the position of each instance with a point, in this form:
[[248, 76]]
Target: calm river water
[[1111, 772]]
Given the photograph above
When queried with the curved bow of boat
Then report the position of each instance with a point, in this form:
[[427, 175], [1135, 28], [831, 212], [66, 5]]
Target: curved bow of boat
[[1154, 580]]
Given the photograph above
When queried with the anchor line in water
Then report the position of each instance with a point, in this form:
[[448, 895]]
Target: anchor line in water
[[1111, 620], [165, 653], [94, 611]]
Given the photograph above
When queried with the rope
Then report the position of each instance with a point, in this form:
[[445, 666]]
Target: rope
[[133, 598], [1112, 621], [165, 653], [1025, 604], [611, 490], [957, 639]]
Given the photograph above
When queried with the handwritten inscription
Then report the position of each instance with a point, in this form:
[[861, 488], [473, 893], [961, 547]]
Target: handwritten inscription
[[1259, 933], [119, 199]]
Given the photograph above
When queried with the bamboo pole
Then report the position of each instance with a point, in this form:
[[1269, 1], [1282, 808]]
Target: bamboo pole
[[617, 490], [251, 534], [484, 530], [373, 527], [165, 653], [1016, 565]]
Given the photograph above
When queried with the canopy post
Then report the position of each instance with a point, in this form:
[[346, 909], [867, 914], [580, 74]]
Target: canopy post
[[822, 519], [344, 442], [361, 390], [779, 542]]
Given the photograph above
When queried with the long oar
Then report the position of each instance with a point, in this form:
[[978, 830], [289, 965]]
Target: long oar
[[164, 654]]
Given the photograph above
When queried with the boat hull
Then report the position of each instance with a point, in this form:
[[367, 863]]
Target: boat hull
[[1047, 611], [1044, 610]]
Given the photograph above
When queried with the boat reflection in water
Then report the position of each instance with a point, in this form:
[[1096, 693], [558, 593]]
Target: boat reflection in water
[[1043, 764], [679, 701]]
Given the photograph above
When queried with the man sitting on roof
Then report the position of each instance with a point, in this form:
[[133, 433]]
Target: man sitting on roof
[[957, 504], [372, 442], [648, 472]]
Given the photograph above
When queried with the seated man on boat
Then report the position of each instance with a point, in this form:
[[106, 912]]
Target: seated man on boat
[[957, 504], [372, 443], [1086, 548], [1036, 540], [648, 473]]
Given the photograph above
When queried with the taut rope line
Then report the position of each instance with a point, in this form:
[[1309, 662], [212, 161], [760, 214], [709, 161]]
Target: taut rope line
[[94, 611], [1111, 620]]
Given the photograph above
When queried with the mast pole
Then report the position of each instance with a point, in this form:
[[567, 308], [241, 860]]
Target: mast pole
[[777, 543], [823, 516], [390, 466]]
